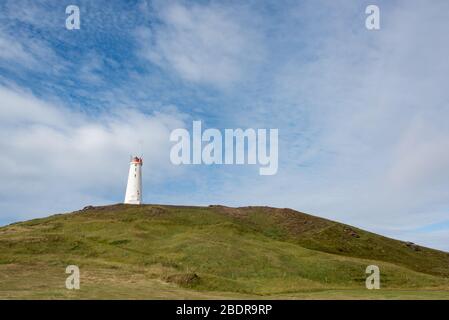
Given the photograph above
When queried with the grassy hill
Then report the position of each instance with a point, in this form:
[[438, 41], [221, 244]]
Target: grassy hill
[[150, 251]]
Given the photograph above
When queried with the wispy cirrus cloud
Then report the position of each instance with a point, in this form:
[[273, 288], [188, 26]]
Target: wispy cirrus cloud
[[212, 44]]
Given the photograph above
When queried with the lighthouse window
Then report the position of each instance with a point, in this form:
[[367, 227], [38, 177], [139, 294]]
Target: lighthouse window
[[134, 176]]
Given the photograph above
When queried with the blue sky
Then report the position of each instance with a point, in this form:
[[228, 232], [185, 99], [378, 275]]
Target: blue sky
[[362, 115]]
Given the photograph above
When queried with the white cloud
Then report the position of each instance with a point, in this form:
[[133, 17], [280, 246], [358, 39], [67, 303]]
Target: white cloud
[[203, 44], [11, 50], [19, 52], [56, 159]]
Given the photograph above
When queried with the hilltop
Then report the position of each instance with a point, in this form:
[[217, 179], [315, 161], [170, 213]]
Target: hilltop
[[159, 251]]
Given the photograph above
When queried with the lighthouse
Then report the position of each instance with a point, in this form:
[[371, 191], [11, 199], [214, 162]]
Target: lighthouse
[[134, 188]]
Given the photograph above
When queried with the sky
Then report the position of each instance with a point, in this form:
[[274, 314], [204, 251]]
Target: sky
[[362, 114]]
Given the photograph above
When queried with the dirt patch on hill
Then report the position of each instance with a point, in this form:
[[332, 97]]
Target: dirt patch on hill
[[183, 279], [294, 222]]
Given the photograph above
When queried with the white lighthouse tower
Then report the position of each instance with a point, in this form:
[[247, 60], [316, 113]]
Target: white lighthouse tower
[[134, 187]]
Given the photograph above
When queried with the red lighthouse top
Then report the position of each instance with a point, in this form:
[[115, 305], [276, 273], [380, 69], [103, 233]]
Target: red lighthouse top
[[137, 160]]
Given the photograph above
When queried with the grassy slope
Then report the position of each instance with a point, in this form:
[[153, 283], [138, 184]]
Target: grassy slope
[[210, 252]]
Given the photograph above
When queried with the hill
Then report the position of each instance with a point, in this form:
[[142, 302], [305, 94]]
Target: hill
[[152, 251]]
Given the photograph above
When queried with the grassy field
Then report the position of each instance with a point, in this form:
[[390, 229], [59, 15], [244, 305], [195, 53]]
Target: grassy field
[[173, 252]]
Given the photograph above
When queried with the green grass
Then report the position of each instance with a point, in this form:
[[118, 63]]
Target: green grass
[[160, 252]]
